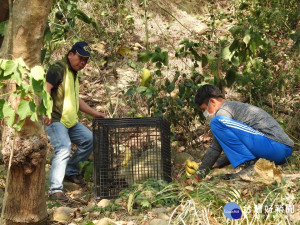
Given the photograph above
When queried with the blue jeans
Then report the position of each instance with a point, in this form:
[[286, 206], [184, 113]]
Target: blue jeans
[[242, 143], [61, 138]]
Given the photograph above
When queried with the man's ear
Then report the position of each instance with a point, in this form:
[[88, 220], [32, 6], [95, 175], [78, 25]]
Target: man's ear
[[213, 101], [71, 54]]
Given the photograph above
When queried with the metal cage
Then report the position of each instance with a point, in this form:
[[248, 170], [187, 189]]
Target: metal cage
[[129, 150]]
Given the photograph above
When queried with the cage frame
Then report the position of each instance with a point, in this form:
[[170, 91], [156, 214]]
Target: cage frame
[[101, 127]]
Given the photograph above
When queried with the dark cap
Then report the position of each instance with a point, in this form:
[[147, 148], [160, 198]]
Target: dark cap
[[82, 48]]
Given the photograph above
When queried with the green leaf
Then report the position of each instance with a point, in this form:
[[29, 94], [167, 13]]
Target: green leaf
[[96, 26], [37, 73], [234, 45], [226, 53], [130, 91], [2, 102], [253, 46], [18, 126], [34, 117], [25, 108], [8, 112], [195, 54], [230, 76], [90, 223], [165, 58], [21, 63], [149, 93], [3, 26], [47, 104], [204, 60], [145, 203], [144, 56], [158, 65], [181, 89], [17, 76], [10, 67], [37, 86], [235, 30], [141, 89], [157, 50], [157, 57], [247, 37], [171, 87], [2, 64], [235, 61]]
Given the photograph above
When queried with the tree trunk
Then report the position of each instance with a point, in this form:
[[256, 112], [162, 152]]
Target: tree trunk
[[26, 203], [4, 13]]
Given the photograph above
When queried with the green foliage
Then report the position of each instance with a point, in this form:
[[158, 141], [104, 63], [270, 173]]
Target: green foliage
[[51, 205], [259, 46], [152, 193], [30, 83], [173, 98], [66, 16], [248, 58], [3, 26], [87, 169], [90, 223]]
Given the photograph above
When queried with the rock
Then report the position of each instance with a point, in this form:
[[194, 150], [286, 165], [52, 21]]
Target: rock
[[88, 208], [69, 186], [158, 222], [131, 223], [62, 214], [163, 216], [95, 215], [107, 213], [201, 28], [180, 158], [119, 201], [159, 210], [103, 203], [105, 221], [78, 220]]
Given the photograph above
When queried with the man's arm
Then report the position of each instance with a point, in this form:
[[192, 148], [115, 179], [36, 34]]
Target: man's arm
[[221, 162], [83, 107], [48, 88], [209, 159]]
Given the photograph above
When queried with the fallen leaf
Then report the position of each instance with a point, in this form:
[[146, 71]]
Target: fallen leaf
[[267, 171]]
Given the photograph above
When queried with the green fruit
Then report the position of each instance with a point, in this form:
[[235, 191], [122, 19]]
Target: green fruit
[[146, 77]]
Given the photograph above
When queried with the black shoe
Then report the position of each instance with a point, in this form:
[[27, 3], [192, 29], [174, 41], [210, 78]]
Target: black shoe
[[77, 179], [59, 196], [249, 163], [247, 168]]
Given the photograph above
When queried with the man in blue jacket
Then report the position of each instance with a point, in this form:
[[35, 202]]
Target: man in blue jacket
[[245, 132]]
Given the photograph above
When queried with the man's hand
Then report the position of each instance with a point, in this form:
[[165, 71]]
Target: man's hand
[[47, 121], [100, 115], [215, 166]]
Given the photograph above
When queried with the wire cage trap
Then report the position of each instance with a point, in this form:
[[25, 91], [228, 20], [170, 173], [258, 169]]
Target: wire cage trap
[[129, 150]]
